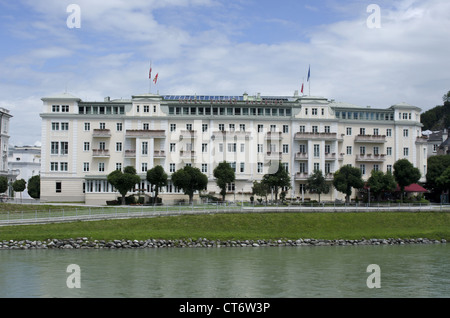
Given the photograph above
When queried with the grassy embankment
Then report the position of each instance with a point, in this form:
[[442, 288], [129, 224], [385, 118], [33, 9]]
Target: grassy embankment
[[432, 225]]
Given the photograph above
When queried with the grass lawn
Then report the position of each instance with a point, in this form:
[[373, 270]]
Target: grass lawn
[[252, 226]]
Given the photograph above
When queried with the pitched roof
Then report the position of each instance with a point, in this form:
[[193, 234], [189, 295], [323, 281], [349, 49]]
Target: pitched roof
[[413, 188]]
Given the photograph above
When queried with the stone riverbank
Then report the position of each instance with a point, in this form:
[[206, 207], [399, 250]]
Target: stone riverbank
[[85, 243]]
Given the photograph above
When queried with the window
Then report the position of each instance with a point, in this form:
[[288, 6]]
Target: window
[[285, 129], [389, 151], [119, 126], [145, 126], [189, 127], [314, 111], [327, 129], [145, 148], [204, 168], [327, 149], [316, 150], [389, 132], [86, 166], [102, 126], [146, 109], [242, 147], [362, 150], [87, 146], [349, 150], [143, 166], [285, 166], [55, 126], [53, 166], [231, 147], [58, 187], [231, 187], [316, 166], [389, 168], [204, 127], [55, 108], [154, 109], [285, 148], [204, 147], [65, 126], [232, 128], [173, 127], [54, 148], [302, 129], [362, 131], [101, 166], [64, 148], [87, 126], [406, 152], [302, 167], [64, 108], [376, 167], [63, 166], [260, 128], [327, 168], [302, 148], [221, 127], [242, 167], [273, 128], [119, 166], [323, 111], [405, 132], [376, 131], [260, 148], [363, 169], [315, 129], [172, 167], [172, 147], [220, 147], [233, 166], [376, 150], [102, 145], [242, 127], [118, 146], [349, 131], [260, 167]]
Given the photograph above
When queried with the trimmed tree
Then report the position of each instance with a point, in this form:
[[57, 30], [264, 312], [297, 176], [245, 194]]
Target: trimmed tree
[[19, 186], [34, 187], [405, 174], [277, 180], [224, 175], [124, 181], [347, 178], [380, 182], [189, 179], [3, 184], [158, 179], [260, 189], [317, 183]]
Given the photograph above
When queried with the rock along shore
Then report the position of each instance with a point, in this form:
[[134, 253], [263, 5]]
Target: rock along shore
[[85, 243]]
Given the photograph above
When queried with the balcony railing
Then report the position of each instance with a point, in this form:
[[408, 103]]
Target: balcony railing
[[130, 153], [371, 158], [142, 133], [274, 135], [188, 134], [371, 138], [273, 155], [301, 176], [101, 133], [316, 136], [159, 154], [187, 154], [301, 156], [334, 156], [100, 153]]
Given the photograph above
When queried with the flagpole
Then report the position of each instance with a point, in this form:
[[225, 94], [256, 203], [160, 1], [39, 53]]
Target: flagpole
[[150, 79]]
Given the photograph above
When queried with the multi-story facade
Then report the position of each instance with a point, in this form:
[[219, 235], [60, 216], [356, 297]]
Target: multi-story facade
[[27, 161], [5, 170], [82, 141]]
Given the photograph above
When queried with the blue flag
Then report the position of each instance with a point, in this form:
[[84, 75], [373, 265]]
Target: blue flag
[[309, 73]]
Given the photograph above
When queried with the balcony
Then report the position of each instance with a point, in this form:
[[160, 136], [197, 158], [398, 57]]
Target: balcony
[[301, 136], [141, 133], [273, 155], [334, 156], [100, 153], [159, 154], [238, 134], [187, 154], [374, 139], [130, 153], [301, 156], [421, 140], [371, 158], [272, 135], [301, 176], [101, 133], [189, 134]]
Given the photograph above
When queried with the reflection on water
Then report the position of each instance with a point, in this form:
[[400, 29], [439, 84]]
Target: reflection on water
[[328, 271]]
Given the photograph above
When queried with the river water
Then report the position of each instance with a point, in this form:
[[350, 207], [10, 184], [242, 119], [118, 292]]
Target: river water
[[406, 271]]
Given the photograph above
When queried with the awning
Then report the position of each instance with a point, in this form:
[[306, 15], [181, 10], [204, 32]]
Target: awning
[[413, 188]]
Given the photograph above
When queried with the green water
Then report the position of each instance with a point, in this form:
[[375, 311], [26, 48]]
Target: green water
[[288, 272]]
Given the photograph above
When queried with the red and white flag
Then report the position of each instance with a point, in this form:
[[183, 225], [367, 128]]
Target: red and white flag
[[302, 88], [156, 78], [150, 73]]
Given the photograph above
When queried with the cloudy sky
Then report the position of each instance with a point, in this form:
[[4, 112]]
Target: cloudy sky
[[221, 47]]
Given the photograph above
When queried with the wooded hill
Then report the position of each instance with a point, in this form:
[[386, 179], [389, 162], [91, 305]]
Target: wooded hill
[[438, 117]]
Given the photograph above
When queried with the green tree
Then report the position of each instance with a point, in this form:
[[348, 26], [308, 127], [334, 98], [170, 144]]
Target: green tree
[[224, 175], [436, 166], [260, 189], [277, 180], [34, 187], [3, 184], [405, 174], [444, 180], [19, 186], [380, 182], [124, 181], [347, 178], [157, 178], [317, 183], [189, 179]]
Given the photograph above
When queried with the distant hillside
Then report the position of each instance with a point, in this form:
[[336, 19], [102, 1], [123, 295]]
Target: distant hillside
[[438, 117]]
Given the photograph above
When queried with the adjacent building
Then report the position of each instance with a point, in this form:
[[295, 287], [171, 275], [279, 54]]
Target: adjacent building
[[26, 161], [83, 141], [5, 170]]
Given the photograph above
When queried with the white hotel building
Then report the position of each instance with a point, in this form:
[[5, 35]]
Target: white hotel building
[[83, 141]]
